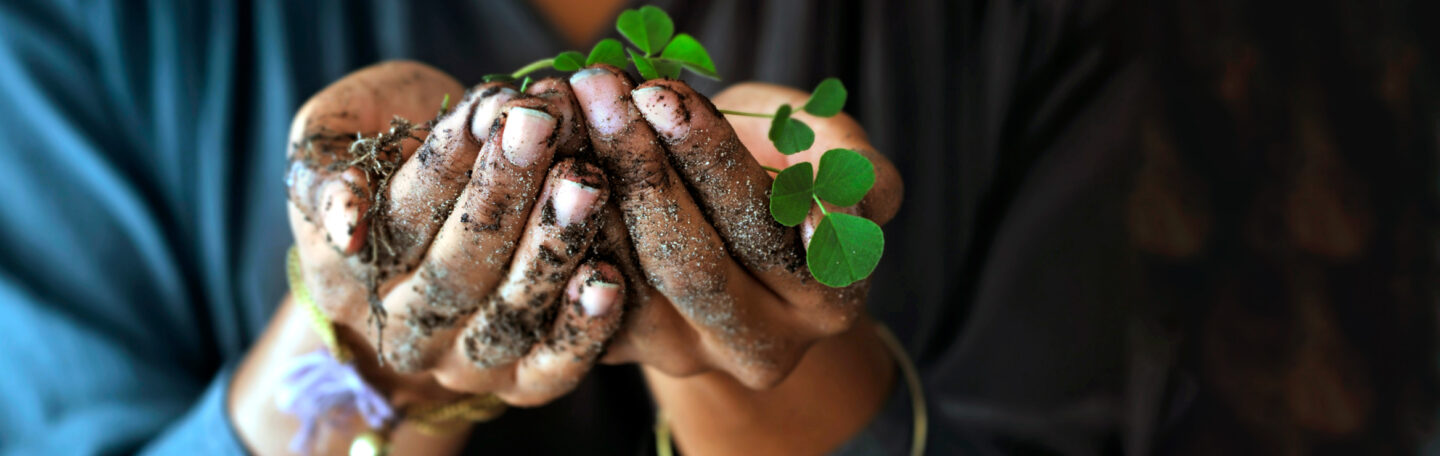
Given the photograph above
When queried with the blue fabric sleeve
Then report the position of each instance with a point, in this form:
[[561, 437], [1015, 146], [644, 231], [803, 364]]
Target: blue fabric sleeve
[[205, 429], [117, 316], [69, 389]]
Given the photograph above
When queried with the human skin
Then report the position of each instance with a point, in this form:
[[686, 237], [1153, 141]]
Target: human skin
[[708, 293]]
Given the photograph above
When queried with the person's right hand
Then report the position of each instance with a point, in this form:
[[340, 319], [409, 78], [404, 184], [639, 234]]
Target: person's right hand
[[473, 247], [474, 229]]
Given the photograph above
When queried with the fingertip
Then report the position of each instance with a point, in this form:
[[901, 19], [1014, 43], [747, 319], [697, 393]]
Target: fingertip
[[664, 109], [492, 96], [546, 85], [573, 202], [597, 288], [577, 190], [599, 298], [343, 204], [528, 133], [883, 202], [602, 92], [595, 70]]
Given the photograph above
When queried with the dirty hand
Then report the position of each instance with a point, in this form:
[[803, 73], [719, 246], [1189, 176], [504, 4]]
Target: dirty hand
[[469, 255], [724, 286], [475, 242]]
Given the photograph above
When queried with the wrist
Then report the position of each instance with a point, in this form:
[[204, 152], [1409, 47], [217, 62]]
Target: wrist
[[265, 429], [833, 393]]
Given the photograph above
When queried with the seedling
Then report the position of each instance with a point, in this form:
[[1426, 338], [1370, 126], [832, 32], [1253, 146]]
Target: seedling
[[658, 51], [844, 248]]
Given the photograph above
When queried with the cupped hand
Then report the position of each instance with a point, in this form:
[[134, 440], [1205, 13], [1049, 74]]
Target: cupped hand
[[455, 252], [725, 287]]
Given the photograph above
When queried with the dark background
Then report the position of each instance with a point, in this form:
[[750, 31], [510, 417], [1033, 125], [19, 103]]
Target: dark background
[[1188, 227]]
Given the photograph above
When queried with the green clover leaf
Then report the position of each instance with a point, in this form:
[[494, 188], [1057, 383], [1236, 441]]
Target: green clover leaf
[[569, 61], [791, 194], [845, 177], [608, 51], [666, 68], [643, 64], [844, 249], [788, 134], [827, 99], [649, 28], [690, 53]]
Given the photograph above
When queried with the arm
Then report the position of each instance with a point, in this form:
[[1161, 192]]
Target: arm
[[833, 393]]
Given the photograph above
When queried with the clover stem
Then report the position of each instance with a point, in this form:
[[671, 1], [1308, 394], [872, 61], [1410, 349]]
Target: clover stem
[[533, 67], [747, 114], [823, 212], [773, 170]]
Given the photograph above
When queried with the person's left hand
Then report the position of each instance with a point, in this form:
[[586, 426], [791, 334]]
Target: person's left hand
[[724, 286]]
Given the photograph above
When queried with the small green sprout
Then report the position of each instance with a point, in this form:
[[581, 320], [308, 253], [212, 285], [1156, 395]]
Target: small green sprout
[[648, 28], [657, 53], [844, 248], [790, 135], [828, 98], [607, 51]]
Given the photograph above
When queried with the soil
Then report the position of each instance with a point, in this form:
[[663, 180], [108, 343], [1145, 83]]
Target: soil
[[378, 157]]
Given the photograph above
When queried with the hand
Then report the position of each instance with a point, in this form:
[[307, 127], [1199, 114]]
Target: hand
[[471, 256], [727, 287]]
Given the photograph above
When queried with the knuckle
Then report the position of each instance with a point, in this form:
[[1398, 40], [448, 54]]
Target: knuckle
[[491, 206], [644, 174], [679, 366], [713, 164], [501, 333], [834, 315], [689, 279], [760, 377], [762, 365]]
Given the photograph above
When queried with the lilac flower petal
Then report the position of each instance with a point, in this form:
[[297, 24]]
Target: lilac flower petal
[[316, 387]]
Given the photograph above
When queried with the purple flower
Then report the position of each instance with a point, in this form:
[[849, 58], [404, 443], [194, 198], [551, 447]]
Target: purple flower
[[317, 386]]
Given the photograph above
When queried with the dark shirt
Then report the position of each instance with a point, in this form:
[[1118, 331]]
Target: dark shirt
[[142, 220]]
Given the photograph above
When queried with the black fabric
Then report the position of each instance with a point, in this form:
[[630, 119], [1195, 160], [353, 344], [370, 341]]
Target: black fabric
[[1010, 272]]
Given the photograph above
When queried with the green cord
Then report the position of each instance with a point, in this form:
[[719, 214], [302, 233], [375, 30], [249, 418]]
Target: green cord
[[917, 393], [662, 435]]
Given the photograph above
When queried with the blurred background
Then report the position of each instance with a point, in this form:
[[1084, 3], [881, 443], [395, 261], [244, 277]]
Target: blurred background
[[1188, 227]]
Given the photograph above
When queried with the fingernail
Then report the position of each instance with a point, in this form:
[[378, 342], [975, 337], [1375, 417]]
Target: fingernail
[[572, 202], [486, 112], [341, 213], [599, 297], [586, 73], [526, 132], [600, 95], [662, 108]]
